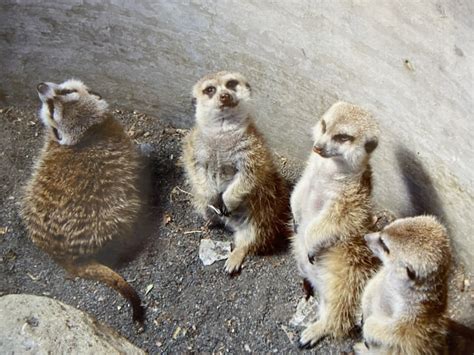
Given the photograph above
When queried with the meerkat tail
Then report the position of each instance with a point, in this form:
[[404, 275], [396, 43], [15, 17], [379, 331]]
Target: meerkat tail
[[96, 271]]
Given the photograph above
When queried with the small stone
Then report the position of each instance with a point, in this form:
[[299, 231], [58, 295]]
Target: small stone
[[247, 348], [176, 332], [148, 289], [211, 251], [146, 134]]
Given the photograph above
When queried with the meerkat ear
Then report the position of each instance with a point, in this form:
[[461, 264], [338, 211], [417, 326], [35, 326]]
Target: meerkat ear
[[371, 144]]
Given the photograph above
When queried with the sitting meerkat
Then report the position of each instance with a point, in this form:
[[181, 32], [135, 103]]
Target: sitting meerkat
[[404, 304], [83, 196], [332, 210], [230, 169]]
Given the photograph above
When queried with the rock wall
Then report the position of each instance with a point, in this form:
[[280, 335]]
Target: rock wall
[[410, 62]]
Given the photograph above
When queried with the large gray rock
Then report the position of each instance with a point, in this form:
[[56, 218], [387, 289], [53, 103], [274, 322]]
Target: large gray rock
[[40, 325]]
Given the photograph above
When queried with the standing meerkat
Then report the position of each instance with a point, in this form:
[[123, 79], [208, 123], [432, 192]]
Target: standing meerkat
[[231, 171], [332, 211], [404, 304], [83, 198]]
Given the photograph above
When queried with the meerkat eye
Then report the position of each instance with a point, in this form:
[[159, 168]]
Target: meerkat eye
[[323, 126], [341, 138], [65, 92], [384, 246], [231, 84], [410, 273], [210, 90]]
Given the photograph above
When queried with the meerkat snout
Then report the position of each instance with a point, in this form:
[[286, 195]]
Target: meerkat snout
[[227, 100], [42, 88]]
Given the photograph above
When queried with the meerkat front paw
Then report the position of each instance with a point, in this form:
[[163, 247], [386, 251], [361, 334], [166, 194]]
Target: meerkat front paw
[[361, 348], [218, 206], [311, 335], [234, 263]]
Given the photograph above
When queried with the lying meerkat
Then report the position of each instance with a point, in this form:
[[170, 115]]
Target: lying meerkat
[[83, 195], [404, 304], [231, 171], [332, 210]]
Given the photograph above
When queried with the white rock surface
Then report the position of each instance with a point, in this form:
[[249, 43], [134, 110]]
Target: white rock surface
[[211, 251], [306, 312], [40, 325]]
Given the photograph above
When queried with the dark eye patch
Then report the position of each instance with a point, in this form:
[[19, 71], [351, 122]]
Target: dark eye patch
[[209, 91], [384, 246], [231, 84], [65, 92], [323, 125], [341, 138], [50, 104]]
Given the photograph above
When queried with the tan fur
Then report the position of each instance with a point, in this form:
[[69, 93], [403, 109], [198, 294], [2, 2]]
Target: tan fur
[[406, 314], [225, 155], [84, 197], [332, 208]]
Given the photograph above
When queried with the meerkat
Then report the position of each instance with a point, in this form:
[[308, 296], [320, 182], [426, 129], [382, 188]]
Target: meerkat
[[404, 304], [331, 206], [83, 197], [231, 171]]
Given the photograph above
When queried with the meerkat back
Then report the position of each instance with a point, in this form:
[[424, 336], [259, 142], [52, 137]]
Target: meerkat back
[[84, 195]]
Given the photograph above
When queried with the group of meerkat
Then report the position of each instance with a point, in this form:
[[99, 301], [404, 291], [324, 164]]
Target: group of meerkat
[[85, 197]]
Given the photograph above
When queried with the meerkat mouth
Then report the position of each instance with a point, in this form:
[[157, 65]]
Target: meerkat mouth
[[228, 105]]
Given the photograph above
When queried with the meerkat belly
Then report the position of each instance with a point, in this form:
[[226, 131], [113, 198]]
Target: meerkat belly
[[220, 169]]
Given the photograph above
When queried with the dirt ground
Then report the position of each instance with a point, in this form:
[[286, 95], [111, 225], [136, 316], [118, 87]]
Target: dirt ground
[[190, 307]]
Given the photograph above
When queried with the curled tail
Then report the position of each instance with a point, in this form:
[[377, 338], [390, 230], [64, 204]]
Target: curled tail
[[95, 271]]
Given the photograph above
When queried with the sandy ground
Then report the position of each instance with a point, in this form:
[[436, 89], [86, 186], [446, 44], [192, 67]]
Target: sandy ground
[[190, 307]]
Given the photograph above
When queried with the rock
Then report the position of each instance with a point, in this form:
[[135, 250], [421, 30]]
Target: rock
[[33, 324], [211, 251], [306, 312]]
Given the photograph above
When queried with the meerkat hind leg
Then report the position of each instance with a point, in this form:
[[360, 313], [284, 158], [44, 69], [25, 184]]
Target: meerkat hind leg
[[243, 238]]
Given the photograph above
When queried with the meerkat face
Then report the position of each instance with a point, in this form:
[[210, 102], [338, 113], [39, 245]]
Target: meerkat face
[[219, 96], [69, 109], [415, 249], [346, 133]]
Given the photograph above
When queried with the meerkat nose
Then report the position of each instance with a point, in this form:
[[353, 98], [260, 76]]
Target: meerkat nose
[[42, 88], [225, 98], [317, 149]]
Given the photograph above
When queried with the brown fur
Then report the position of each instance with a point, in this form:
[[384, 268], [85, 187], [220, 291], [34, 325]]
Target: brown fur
[[236, 164], [83, 198], [405, 314], [332, 206]]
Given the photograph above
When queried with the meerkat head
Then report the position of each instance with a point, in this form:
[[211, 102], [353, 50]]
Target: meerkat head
[[222, 96], [69, 109], [416, 249], [347, 134]]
